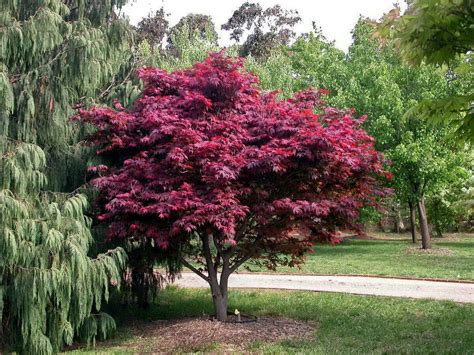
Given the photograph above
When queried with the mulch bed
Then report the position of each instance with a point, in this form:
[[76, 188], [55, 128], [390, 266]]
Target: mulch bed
[[203, 334]]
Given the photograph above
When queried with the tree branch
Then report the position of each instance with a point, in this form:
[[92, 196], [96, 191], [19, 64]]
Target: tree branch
[[16, 77], [246, 257], [238, 263], [193, 269], [113, 83]]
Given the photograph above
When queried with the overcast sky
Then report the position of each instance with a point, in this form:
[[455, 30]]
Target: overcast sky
[[335, 17]]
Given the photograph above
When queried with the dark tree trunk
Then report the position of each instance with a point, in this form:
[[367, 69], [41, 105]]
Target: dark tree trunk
[[425, 233], [412, 221], [221, 300], [219, 290], [218, 283]]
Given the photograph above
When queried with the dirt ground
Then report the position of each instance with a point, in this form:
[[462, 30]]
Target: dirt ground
[[438, 251]]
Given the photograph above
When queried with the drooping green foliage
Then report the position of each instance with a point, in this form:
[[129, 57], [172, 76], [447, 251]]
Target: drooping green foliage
[[50, 289], [54, 55], [51, 58]]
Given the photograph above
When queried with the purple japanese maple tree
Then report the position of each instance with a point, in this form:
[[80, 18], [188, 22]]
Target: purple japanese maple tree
[[217, 172]]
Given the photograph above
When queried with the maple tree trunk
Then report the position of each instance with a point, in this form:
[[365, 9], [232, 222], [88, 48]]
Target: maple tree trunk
[[425, 232], [219, 290], [220, 299], [412, 221]]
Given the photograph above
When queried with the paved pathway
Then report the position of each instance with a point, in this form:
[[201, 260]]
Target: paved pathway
[[438, 290]]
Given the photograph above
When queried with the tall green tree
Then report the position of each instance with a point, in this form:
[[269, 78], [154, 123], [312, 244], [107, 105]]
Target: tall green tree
[[439, 32], [311, 61], [196, 26], [424, 167], [54, 55], [389, 91], [318, 63]]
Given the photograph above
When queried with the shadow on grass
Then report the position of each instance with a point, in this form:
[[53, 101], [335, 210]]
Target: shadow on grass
[[172, 303]]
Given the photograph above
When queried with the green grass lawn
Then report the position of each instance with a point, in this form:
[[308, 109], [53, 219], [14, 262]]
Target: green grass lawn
[[345, 323], [394, 257]]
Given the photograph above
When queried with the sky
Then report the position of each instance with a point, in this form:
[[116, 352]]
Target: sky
[[336, 18]]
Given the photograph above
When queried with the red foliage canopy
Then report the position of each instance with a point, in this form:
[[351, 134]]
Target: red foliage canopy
[[205, 151]]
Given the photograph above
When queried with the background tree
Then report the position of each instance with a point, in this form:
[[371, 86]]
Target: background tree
[[318, 63], [275, 73], [391, 90], [192, 28], [311, 61], [153, 29], [53, 56], [423, 166], [451, 207], [268, 29], [215, 172], [190, 49]]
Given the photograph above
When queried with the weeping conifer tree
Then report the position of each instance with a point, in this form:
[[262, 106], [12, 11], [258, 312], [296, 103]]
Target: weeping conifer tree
[[54, 55]]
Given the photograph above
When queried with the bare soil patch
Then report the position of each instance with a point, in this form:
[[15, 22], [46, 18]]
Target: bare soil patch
[[433, 251], [203, 334], [345, 236]]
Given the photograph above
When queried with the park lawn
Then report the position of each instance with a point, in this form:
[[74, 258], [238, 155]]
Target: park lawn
[[344, 323], [452, 258]]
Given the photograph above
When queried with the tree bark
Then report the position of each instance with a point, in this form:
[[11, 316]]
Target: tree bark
[[425, 233], [412, 221], [218, 290], [220, 305], [218, 285], [221, 302]]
